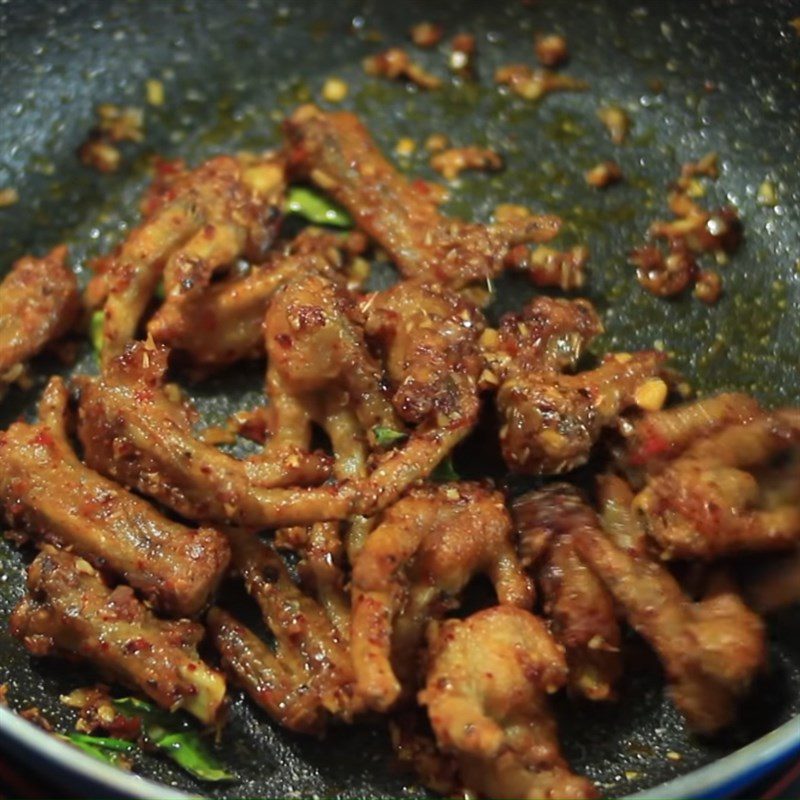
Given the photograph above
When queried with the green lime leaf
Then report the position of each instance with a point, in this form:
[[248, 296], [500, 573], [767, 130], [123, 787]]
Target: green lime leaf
[[175, 737], [103, 748], [387, 436], [445, 471], [316, 208], [96, 330], [188, 750]]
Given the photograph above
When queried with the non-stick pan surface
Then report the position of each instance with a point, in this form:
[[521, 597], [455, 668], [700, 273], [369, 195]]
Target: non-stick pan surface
[[693, 76]]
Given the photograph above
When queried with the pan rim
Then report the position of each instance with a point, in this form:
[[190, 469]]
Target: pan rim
[[32, 745]]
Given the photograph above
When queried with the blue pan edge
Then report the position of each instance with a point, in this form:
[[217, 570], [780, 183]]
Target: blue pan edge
[[67, 766]]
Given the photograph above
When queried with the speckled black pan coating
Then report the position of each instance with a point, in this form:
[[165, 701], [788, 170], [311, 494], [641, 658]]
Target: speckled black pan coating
[[230, 67]]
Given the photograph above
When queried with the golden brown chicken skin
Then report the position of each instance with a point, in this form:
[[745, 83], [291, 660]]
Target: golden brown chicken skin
[[309, 673], [428, 336], [224, 322], [46, 491], [427, 548], [335, 151], [577, 603], [550, 421], [132, 432], [722, 497], [70, 611], [39, 302], [659, 436], [196, 223], [711, 650], [489, 676]]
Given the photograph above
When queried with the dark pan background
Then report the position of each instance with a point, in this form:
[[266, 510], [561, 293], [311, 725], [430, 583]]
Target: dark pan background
[[231, 69]]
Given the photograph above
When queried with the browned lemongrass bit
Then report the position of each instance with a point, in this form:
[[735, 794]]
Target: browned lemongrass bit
[[414, 565], [616, 121], [196, 224], [426, 34], [70, 611], [533, 83], [604, 174], [463, 53], [580, 608], [174, 567], [547, 267], [708, 286], [309, 654], [724, 495], [691, 234], [551, 49], [335, 151], [39, 302], [395, 63], [452, 162], [114, 124], [428, 336], [132, 432], [707, 166], [489, 677], [224, 323], [711, 649]]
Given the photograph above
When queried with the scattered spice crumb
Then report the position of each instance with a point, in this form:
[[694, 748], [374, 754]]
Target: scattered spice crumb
[[4, 695], [334, 90], [708, 287], [8, 197], [616, 121], [121, 123], [551, 50], [216, 435], [436, 142], [767, 196], [154, 91], [396, 64], [452, 162], [358, 273], [114, 124], [707, 166], [405, 147], [100, 155], [604, 174], [795, 23], [548, 267], [426, 34], [631, 774], [463, 50], [35, 715], [510, 212], [673, 756], [532, 84]]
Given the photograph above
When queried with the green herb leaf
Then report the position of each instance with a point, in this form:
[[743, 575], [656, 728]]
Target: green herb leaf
[[189, 751], [96, 330], [445, 471], [176, 738], [387, 436], [315, 208], [161, 290], [103, 748], [106, 742]]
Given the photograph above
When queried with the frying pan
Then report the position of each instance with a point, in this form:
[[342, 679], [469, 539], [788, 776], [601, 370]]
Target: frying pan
[[694, 77]]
